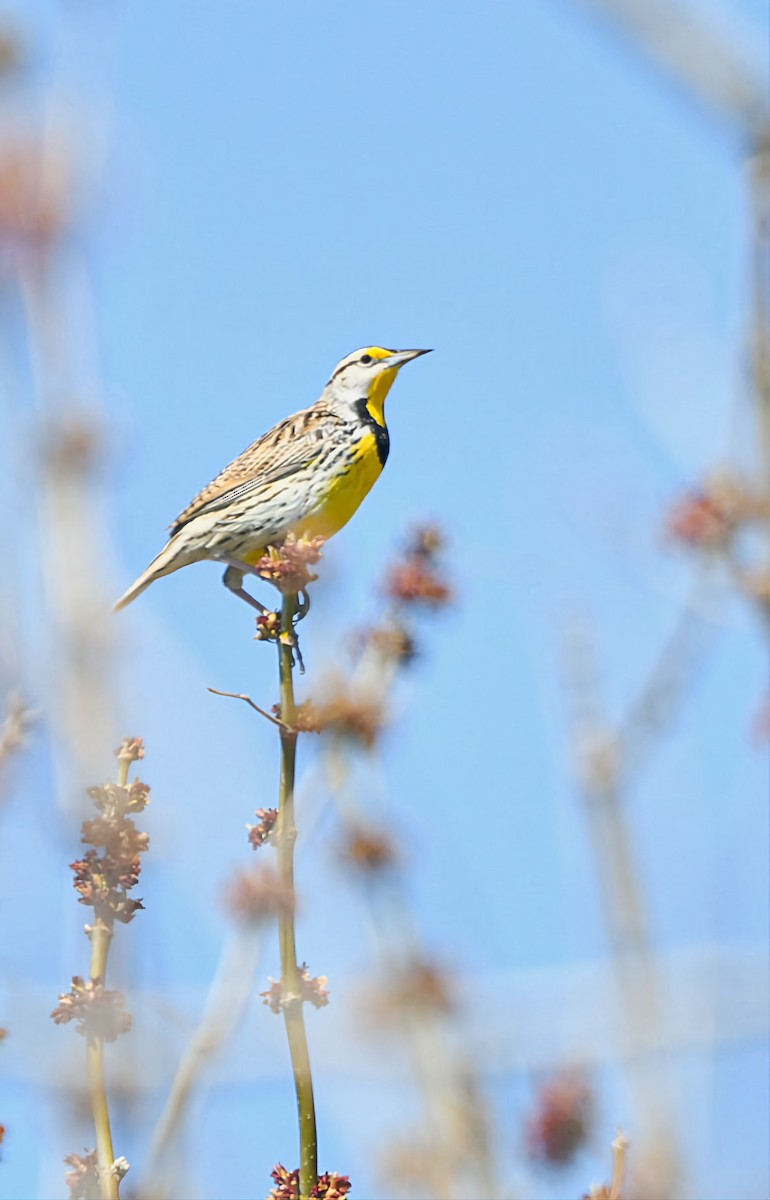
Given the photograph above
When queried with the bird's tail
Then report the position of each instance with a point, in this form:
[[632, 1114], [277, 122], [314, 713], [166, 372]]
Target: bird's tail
[[170, 559]]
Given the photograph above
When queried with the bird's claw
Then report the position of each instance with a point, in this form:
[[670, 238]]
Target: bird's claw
[[303, 606]]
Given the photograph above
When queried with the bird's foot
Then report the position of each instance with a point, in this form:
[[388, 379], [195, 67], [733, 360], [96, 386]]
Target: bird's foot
[[233, 581]]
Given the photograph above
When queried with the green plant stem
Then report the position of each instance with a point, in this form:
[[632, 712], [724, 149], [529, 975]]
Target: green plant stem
[[101, 936], [290, 975]]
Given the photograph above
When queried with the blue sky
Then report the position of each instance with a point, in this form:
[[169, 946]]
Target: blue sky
[[511, 185]]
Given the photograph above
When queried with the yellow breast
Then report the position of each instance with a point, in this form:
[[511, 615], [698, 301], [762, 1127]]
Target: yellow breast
[[346, 491]]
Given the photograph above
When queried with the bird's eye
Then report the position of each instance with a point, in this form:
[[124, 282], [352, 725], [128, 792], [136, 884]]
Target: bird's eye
[[366, 359]]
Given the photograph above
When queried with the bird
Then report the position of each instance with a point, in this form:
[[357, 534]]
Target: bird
[[306, 476]]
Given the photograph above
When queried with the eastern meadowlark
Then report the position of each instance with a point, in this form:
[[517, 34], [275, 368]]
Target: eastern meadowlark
[[306, 476]]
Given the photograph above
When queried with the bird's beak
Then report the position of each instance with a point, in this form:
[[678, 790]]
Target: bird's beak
[[397, 359]]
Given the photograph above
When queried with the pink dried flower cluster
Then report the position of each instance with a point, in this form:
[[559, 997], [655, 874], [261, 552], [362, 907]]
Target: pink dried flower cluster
[[36, 192], [368, 850], [713, 517], [264, 830], [83, 1179], [100, 1013], [287, 566], [414, 582], [328, 1187], [561, 1122], [391, 639], [709, 515], [131, 749], [311, 988], [357, 718], [416, 578], [418, 985], [696, 520], [254, 896], [105, 879]]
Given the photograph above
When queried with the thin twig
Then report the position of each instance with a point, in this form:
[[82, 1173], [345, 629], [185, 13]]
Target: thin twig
[[625, 904], [242, 696]]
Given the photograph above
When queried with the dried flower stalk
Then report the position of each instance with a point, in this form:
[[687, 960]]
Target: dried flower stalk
[[291, 973]]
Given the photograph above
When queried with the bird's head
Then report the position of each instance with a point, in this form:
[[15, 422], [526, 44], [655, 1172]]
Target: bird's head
[[368, 374]]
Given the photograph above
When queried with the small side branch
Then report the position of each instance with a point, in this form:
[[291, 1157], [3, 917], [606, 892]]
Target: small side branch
[[262, 712]]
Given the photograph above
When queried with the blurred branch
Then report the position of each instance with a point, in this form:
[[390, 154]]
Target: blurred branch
[[696, 57], [13, 731], [229, 994], [602, 776], [40, 178], [759, 307], [613, 1190], [653, 711], [711, 520]]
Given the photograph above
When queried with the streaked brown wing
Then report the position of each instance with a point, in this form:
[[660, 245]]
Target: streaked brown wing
[[285, 449]]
